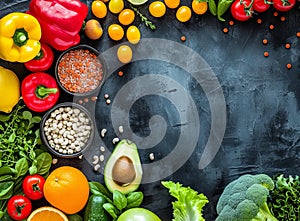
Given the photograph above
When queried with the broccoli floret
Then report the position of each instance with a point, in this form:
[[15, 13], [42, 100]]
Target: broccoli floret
[[245, 199]]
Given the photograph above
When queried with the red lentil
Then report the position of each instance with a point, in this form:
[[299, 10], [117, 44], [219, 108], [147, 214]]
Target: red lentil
[[231, 23], [120, 73], [259, 21], [282, 18], [265, 41], [289, 66], [298, 34], [225, 30], [94, 98], [80, 71], [271, 27], [86, 100], [287, 46], [275, 14], [266, 54], [183, 38]]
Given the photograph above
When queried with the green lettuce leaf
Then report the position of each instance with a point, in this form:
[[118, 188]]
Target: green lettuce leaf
[[189, 202]]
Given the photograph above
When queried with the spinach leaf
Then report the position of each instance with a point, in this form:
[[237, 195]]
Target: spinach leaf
[[134, 199], [5, 170], [6, 178], [119, 199], [27, 115], [98, 189], [111, 210], [44, 161], [5, 187], [21, 167]]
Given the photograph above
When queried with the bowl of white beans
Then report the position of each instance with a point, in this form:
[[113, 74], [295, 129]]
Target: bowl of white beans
[[67, 130]]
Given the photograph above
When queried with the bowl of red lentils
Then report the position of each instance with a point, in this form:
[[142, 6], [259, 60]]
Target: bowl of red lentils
[[67, 130], [80, 70]]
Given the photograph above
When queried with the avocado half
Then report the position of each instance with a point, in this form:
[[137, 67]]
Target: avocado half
[[123, 170]]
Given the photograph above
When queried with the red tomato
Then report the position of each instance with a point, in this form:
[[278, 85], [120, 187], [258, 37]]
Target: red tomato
[[241, 10], [33, 186], [19, 207], [261, 5], [284, 5]]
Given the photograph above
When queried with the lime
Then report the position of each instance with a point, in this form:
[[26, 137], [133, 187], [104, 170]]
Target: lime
[[137, 2]]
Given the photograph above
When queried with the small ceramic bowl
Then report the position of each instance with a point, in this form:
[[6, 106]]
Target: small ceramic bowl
[[67, 130], [80, 70]]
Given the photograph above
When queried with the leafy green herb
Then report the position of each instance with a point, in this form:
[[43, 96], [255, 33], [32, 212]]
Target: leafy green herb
[[119, 199], [144, 19], [98, 189], [223, 6], [212, 7], [134, 199], [110, 208], [284, 200]]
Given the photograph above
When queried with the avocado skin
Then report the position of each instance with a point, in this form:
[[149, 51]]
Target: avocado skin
[[129, 149], [94, 210]]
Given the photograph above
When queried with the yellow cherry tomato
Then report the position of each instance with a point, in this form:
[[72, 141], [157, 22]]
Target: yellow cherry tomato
[[99, 9], [183, 14], [124, 54], [115, 32], [157, 9], [133, 34], [199, 7], [126, 16], [172, 3], [115, 6]]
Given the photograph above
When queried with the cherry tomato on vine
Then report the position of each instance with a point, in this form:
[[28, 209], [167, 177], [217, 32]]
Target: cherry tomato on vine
[[241, 10], [19, 207], [33, 186], [261, 5], [284, 5]]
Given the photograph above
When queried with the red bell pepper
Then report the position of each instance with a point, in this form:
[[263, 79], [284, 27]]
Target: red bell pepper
[[39, 91], [43, 60], [60, 20]]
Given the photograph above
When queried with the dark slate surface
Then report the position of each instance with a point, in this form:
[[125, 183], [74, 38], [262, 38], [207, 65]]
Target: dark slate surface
[[261, 96]]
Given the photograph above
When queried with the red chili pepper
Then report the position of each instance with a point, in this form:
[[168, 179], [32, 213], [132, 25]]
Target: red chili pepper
[[43, 60], [60, 20], [39, 91]]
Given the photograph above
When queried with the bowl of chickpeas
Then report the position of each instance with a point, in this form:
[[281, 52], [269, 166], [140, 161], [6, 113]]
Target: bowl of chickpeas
[[67, 130]]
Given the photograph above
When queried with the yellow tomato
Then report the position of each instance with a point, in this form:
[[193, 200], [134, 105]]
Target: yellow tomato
[[157, 9], [183, 14], [116, 6], [172, 3], [133, 34], [124, 54], [115, 32], [9, 90], [99, 9], [199, 7], [126, 16]]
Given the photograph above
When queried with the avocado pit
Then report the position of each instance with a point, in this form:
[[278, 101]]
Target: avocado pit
[[123, 171]]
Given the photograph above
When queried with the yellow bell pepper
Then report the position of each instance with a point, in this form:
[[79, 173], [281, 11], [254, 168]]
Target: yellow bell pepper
[[19, 37]]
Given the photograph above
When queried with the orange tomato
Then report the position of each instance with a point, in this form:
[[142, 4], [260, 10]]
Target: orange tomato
[[67, 189], [157, 9], [126, 16], [116, 6], [183, 14], [93, 29], [99, 9], [115, 32], [172, 3], [199, 7], [124, 54], [133, 34]]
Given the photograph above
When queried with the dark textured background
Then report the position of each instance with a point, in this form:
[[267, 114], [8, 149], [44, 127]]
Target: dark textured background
[[262, 98]]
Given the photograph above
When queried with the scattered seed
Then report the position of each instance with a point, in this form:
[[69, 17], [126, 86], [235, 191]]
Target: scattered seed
[[106, 96], [80, 157], [275, 14], [102, 148], [259, 21], [266, 54], [121, 129], [94, 98], [287, 46], [231, 22], [97, 167], [282, 18], [101, 158], [265, 41], [120, 73], [95, 159], [108, 101], [225, 30], [103, 132], [289, 66], [115, 140], [271, 27], [183, 38], [151, 156], [54, 161]]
